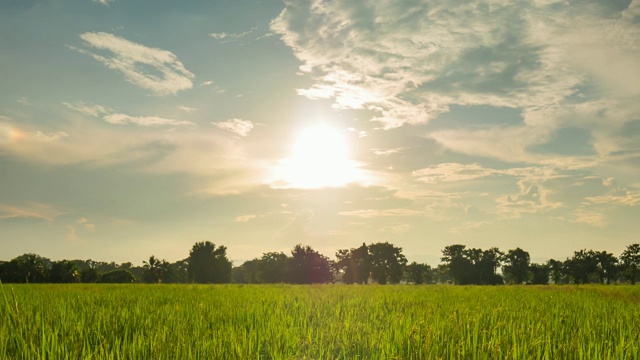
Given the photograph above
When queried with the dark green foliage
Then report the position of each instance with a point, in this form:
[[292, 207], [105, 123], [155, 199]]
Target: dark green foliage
[[472, 266], [516, 268], [89, 275], [387, 263], [630, 259], [156, 271], [120, 276], [307, 266], [64, 271], [208, 264], [27, 268], [418, 273], [539, 274], [354, 264]]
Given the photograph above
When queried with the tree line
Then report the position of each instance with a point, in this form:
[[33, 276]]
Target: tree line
[[381, 263]]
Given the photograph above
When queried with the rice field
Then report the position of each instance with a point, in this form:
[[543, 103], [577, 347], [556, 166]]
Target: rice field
[[89, 321]]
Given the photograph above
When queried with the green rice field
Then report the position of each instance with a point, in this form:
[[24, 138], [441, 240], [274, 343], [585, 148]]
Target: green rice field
[[83, 321]]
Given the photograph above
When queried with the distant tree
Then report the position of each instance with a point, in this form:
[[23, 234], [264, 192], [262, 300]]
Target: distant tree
[[178, 272], [29, 268], [89, 275], [208, 264], [155, 271], [630, 260], [539, 274], [607, 268], [354, 264], [460, 268], [387, 263], [582, 266], [516, 268], [64, 271], [271, 268], [487, 266], [119, 276], [556, 271], [307, 266], [247, 272], [418, 273]]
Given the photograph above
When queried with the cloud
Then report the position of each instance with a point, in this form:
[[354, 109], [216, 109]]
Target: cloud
[[245, 218], [122, 119], [226, 37], [86, 223], [104, 2], [188, 109], [236, 126], [149, 68], [373, 213], [30, 211], [87, 108], [447, 172], [559, 63], [618, 196]]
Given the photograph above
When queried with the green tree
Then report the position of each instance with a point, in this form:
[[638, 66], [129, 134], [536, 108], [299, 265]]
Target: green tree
[[630, 259], [387, 263], [208, 264], [418, 273], [460, 268], [582, 266], [29, 268], [271, 267], [516, 268], [539, 274], [119, 276], [556, 271], [64, 271], [307, 266], [155, 271], [607, 269], [354, 264]]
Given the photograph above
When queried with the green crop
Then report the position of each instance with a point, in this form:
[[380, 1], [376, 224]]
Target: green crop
[[318, 322]]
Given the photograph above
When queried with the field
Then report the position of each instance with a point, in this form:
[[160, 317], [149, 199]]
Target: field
[[318, 322]]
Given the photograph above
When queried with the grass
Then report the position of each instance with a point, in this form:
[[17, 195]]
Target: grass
[[83, 321]]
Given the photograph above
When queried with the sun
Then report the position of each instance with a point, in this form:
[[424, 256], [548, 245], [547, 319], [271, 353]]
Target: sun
[[319, 158]]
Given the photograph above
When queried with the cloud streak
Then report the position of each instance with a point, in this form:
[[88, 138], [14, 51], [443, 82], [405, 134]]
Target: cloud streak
[[237, 126], [149, 68]]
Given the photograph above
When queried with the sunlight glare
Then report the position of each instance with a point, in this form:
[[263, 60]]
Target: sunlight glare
[[319, 158]]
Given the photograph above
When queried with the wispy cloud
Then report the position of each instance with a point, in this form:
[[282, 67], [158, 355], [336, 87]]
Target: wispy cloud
[[245, 218], [104, 2], [122, 119], [150, 68], [87, 108], [236, 126], [226, 37], [374, 213], [30, 211]]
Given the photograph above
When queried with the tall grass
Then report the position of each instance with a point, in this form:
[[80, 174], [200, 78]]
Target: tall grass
[[318, 322]]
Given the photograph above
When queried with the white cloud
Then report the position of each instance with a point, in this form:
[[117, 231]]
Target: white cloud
[[103, 2], [373, 213], [236, 126], [447, 172], [225, 37], [86, 223], [166, 76], [87, 108], [33, 211], [245, 218], [188, 109], [121, 119]]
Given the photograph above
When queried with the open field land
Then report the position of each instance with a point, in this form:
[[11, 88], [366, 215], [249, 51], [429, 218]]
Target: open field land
[[318, 322]]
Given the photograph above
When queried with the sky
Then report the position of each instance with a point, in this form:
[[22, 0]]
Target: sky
[[137, 128]]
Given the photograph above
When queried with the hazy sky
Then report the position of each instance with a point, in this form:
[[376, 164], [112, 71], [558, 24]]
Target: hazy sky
[[132, 128]]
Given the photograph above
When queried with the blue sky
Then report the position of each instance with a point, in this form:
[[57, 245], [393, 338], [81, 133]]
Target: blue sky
[[136, 128]]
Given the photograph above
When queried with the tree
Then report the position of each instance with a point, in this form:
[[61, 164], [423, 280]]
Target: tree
[[307, 266], [64, 271], [155, 271], [488, 265], [208, 264], [29, 268], [354, 264], [607, 268], [539, 274], [460, 268], [630, 259], [387, 263], [582, 266], [516, 268], [271, 267], [119, 276], [556, 271], [418, 273], [89, 275]]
